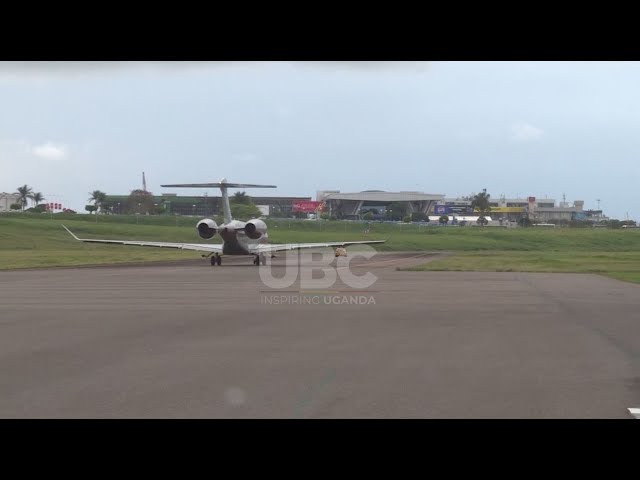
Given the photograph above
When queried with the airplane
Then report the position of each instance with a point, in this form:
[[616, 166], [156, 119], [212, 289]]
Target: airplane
[[239, 238]]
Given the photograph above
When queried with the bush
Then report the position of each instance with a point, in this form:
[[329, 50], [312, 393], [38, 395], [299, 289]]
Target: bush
[[419, 217], [525, 222], [444, 220], [15, 206], [583, 224], [37, 209], [406, 219]]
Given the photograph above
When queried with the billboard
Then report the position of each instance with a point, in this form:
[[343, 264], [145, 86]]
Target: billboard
[[451, 209], [306, 206], [442, 210]]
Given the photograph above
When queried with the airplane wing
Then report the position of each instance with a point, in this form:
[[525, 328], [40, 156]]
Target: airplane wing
[[275, 247], [200, 247]]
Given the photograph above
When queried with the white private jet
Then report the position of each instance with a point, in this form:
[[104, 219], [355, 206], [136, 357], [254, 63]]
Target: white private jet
[[239, 238]]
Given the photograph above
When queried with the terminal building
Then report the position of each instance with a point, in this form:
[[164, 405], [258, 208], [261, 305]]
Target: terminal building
[[541, 210], [349, 205], [8, 199], [352, 206]]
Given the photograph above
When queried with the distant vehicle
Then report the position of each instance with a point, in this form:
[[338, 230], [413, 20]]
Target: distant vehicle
[[544, 224]]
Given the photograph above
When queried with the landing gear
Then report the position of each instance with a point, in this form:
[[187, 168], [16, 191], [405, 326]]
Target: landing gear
[[258, 259], [216, 259]]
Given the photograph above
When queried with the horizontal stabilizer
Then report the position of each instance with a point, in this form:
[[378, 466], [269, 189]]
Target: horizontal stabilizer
[[218, 185]]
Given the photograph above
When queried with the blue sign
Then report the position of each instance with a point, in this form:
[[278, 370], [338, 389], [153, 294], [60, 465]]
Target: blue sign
[[452, 209]]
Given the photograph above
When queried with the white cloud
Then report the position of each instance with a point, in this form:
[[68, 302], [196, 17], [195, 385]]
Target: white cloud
[[370, 66], [49, 151], [49, 70], [525, 132]]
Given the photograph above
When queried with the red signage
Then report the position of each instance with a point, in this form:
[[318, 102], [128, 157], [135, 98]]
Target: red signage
[[306, 207], [532, 199]]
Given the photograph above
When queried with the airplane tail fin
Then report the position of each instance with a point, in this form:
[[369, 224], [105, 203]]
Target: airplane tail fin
[[223, 185]]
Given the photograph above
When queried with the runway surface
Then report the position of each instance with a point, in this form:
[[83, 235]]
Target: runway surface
[[194, 341]]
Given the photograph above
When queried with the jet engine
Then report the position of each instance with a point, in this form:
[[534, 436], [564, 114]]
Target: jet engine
[[207, 228], [255, 228]]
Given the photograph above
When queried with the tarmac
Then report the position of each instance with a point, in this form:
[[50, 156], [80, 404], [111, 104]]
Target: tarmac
[[187, 340]]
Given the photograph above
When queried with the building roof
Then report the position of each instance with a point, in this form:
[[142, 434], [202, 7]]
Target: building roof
[[379, 196], [556, 210]]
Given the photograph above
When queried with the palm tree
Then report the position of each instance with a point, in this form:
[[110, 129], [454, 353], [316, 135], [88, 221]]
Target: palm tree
[[480, 202], [98, 198], [24, 193], [241, 198], [37, 198]]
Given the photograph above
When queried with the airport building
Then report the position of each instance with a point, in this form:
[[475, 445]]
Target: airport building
[[349, 205], [8, 199], [540, 210]]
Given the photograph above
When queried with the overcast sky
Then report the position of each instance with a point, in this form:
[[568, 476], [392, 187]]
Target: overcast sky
[[515, 128]]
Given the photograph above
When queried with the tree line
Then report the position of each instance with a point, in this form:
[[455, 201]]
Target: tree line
[[26, 193], [142, 202]]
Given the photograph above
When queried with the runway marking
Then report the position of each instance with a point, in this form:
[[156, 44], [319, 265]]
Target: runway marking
[[635, 412]]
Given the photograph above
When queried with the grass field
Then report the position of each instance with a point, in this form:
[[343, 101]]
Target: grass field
[[40, 241], [620, 265]]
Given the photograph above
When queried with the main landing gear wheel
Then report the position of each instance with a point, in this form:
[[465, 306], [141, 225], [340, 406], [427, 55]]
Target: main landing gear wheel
[[216, 260], [263, 259], [256, 260]]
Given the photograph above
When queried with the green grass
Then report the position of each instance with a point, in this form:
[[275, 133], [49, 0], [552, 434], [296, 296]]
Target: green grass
[[620, 265], [28, 240]]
